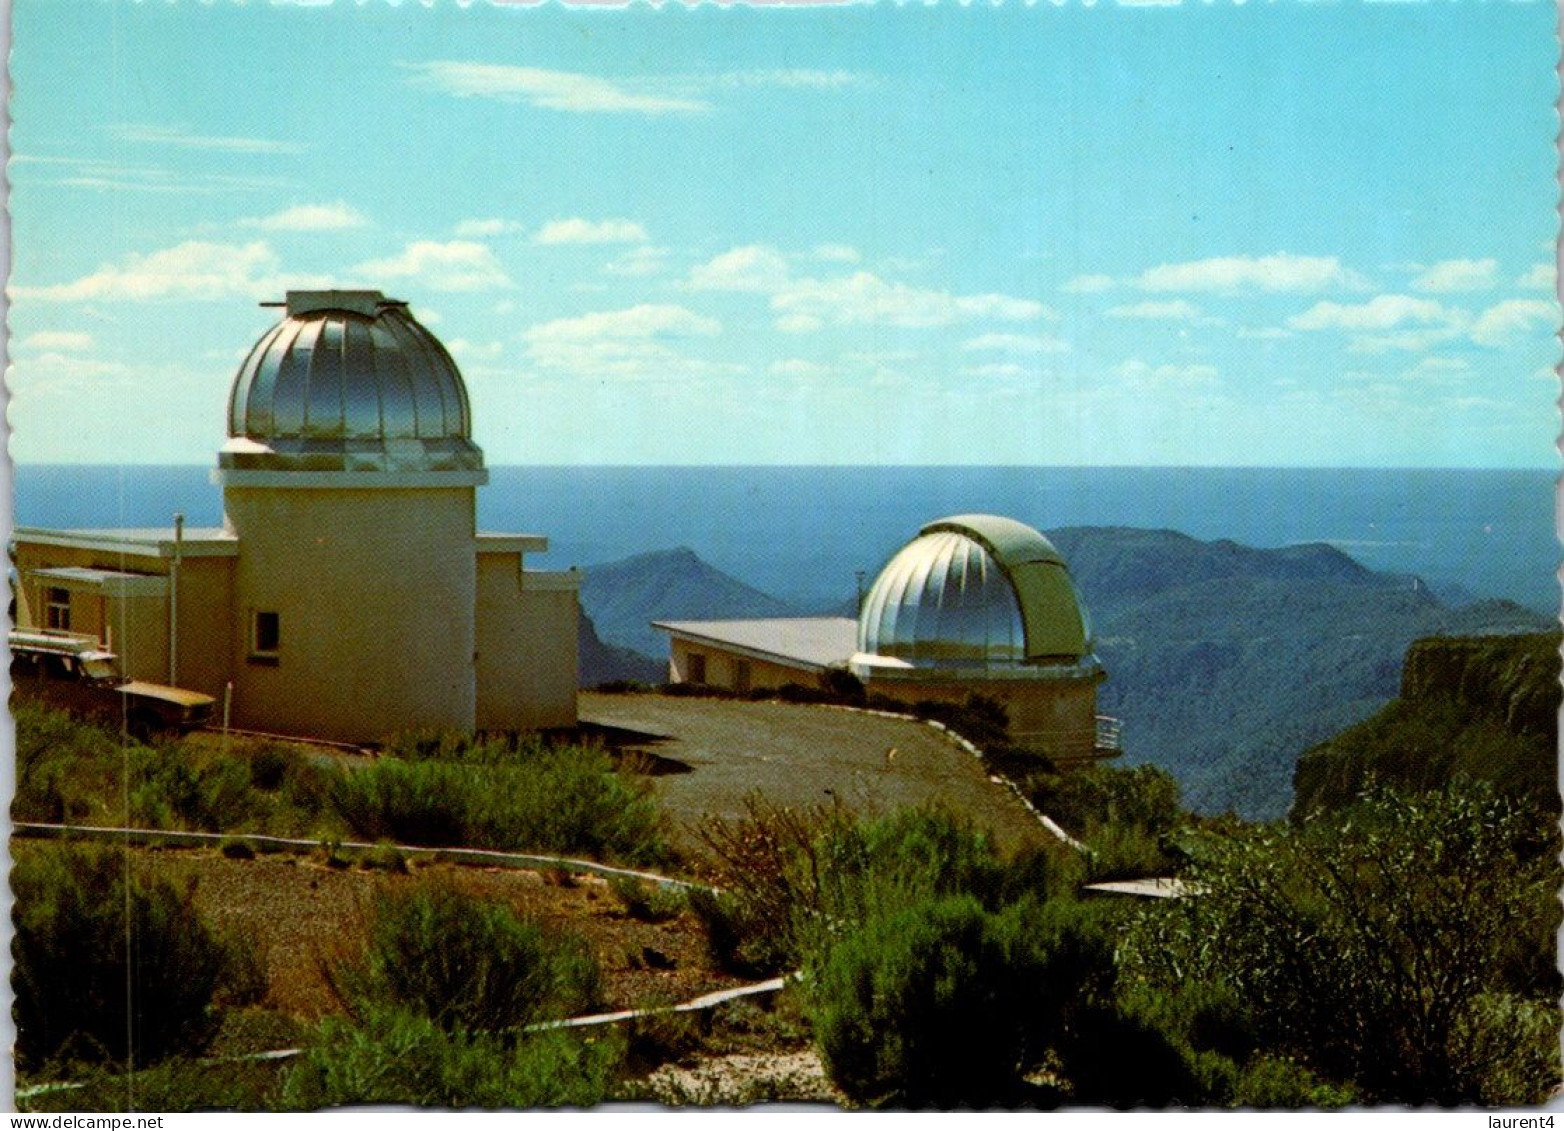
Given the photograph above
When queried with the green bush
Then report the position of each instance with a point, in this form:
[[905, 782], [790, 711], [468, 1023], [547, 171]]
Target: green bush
[[394, 1057], [174, 1085], [648, 902], [235, 849], [943, 1004], [68, 769], [790, 880], [469, 964], [269, 767], [84, 945], [526, 798], [1374, 947]]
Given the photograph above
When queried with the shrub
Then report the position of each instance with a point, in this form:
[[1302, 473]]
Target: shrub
[[82, 940], [942, 1004], [395, 1057], [235, 849], [1143, 797], [981, 720], [844, 686], [1372, 947], [174, 1085], [385, 857], [269, 768], [468, 964], [650, 903], [791, 879], [528, 797]]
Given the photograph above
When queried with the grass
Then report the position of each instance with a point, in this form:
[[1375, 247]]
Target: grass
[[522, 794]]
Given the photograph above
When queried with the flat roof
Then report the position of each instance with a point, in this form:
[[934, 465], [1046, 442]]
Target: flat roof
[[111, 581], [145, 541], [495, 542], [813, 643]]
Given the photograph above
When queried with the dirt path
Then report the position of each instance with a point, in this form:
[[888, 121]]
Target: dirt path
[[805, 755], [298, 914]]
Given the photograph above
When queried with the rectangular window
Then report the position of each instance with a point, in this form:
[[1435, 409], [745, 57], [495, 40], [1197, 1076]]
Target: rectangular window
[[57, 609], [697, 669], [267, 634]]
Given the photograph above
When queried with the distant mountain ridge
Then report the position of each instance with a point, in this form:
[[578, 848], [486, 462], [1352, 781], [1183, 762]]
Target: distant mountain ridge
[[1225, 662], [625, 596], [1478, 707], [600, 662]]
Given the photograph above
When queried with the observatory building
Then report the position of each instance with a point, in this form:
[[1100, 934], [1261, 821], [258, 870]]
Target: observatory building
[[975, 604], [349, 594]]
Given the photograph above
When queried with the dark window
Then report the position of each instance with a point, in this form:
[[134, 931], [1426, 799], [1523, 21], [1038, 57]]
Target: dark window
[[57, 609], [697, 669], [268, 634]]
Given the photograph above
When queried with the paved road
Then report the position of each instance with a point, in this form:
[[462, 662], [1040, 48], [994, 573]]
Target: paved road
[[804, 755]]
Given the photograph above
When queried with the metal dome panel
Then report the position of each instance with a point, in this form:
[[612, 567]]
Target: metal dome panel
[[349, 381], [943, 601], [975, 591]]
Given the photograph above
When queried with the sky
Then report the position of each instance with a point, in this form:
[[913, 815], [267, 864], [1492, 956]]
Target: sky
[[1266, 233]]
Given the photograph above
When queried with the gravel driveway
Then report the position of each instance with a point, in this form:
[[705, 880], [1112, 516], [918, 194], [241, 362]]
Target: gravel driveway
[[800, 755]]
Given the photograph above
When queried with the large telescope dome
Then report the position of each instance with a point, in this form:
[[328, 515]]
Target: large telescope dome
[[349, 381], [975, 592]]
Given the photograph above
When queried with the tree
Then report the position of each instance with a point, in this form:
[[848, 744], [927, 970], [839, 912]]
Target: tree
[[1383, 946]]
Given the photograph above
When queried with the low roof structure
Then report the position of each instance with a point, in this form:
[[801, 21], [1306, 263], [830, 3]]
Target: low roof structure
[[807, 643]]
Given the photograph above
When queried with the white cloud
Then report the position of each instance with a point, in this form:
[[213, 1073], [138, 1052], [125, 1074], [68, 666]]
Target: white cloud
[[648, 320], [455, 266], [568, 91], [130, 176], [1437, 367], [180, 138], [477, 351], [1453, 275], [1514, 318], [57, 340], [1016, 343], [1140, 372], [309, 218], [798, 323], [794, 77], [836, 253], [996, 369], [864, 298], [490, 226], [1408, 341], [50, 374], [1088, 284], [622, 343], [1383, 312], [797, 369], [191, 270], [639, 262], [577, 230], [1176, 310], [1275, 274], [1540, 277], [755, 268]]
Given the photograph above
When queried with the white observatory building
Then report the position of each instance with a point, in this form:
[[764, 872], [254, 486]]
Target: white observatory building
[[976, 604], [349, 594]]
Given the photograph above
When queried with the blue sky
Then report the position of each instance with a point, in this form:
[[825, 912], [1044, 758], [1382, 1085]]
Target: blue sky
[[1315, 234]]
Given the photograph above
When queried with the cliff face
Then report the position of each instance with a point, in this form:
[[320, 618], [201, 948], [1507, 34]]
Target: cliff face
[[1484, 708], [1509, 680]]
